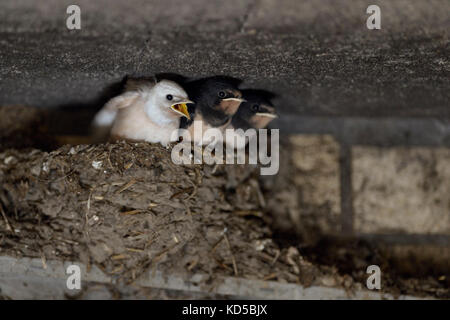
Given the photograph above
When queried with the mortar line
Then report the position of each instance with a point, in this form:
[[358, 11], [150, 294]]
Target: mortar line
[[345, 164], [246, 16], [375, 131], [140, 56], [407, 239]]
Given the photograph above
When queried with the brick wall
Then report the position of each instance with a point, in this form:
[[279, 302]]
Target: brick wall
[[398, 196], [395, 191]]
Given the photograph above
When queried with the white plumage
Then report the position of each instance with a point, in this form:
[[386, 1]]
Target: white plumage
[[149, 113]]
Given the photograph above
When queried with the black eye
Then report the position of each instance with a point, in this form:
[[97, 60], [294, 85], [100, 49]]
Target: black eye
[[169, 97], [222, 94], [255, 107]]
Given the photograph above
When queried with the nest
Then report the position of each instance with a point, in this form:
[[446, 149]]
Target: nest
[[127, 208]]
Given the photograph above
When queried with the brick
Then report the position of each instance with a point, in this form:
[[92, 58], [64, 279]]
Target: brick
[[401, 190], [315, 159]]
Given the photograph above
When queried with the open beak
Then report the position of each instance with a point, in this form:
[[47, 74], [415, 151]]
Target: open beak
[[181, 108]]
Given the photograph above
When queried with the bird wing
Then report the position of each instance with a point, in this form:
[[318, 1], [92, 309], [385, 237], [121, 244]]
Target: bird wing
[[106, 116], [104, 119]]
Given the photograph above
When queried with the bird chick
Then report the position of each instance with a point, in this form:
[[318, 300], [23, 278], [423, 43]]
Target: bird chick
[[256, 112], [216, 99], [146, 111]]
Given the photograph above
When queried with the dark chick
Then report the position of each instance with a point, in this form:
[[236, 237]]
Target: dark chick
[[216, 99], [256, 112]]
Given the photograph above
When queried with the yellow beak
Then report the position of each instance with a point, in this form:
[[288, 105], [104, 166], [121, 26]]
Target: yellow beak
[[182, 109]]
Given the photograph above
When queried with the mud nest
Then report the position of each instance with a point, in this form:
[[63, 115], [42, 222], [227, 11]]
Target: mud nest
[[128, 209]]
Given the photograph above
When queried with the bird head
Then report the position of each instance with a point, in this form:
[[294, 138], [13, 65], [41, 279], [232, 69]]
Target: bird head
[[217, 97], [257, 111], [171, 98]]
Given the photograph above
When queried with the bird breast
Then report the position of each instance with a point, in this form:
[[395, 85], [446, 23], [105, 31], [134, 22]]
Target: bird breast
[[133, 123]]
